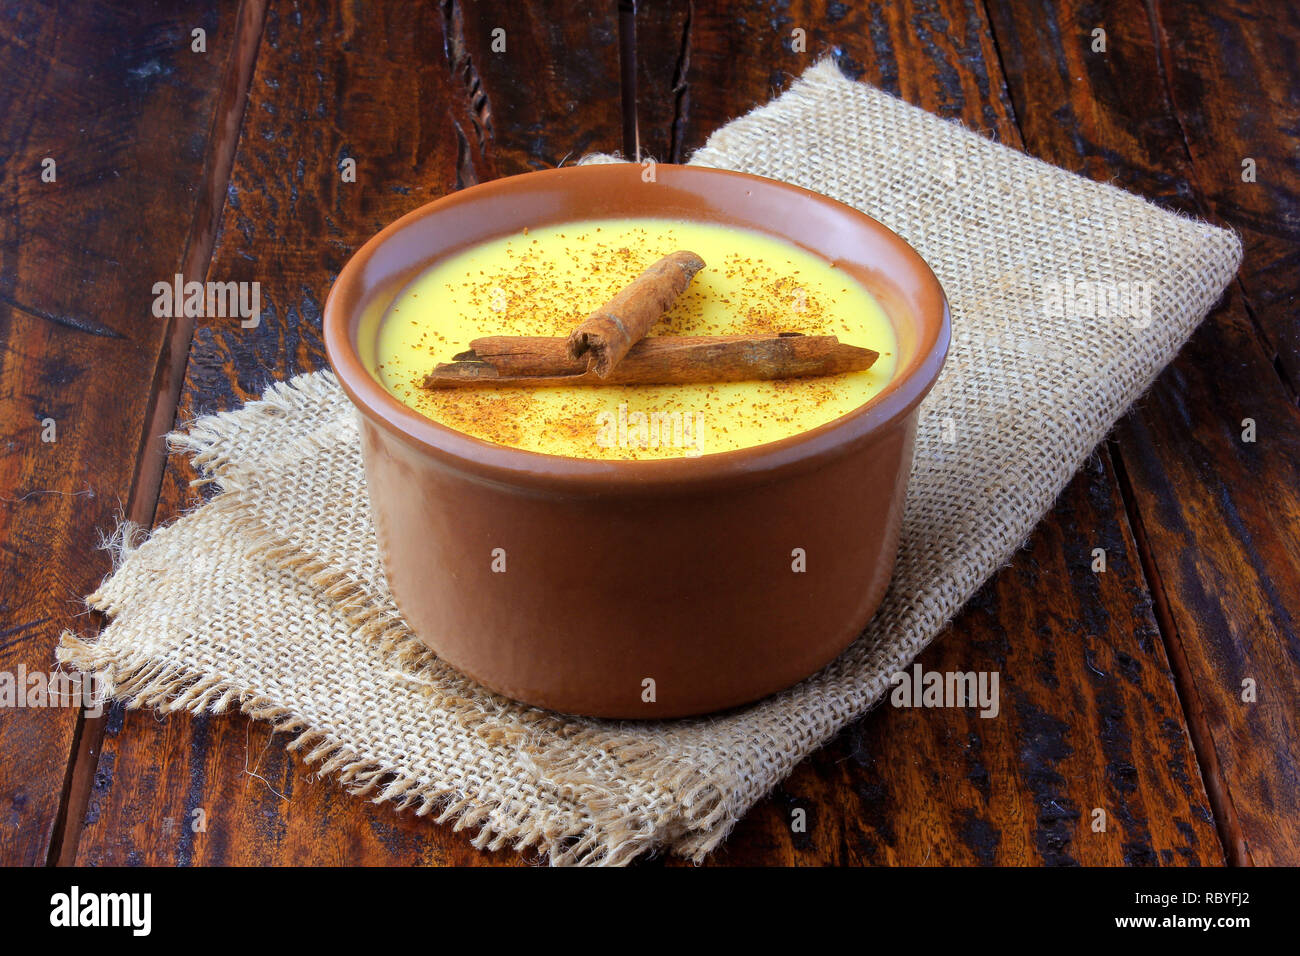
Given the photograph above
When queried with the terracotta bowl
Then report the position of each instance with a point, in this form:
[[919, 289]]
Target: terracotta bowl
[[620, 572]]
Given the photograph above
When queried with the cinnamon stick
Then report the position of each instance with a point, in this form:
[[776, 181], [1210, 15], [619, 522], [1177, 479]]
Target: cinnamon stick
[[539, 361], [607, 335]]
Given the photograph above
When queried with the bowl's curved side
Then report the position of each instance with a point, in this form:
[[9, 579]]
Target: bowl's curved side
[[666, 606]]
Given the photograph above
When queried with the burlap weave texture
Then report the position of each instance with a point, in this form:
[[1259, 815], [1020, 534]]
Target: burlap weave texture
[[270, 597]]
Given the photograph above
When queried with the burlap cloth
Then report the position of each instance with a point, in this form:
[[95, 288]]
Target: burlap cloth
[[270, 597]]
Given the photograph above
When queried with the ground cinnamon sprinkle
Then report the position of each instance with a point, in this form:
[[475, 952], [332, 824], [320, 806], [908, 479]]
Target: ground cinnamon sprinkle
[[501, 416]]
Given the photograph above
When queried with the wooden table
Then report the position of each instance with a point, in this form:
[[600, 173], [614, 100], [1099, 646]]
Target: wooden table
[[1123, 690]]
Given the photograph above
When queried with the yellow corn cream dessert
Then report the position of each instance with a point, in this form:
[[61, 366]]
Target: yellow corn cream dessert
[[546, 281]]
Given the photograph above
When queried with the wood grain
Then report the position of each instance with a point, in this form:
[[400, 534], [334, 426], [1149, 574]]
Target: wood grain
[[113, 93], [885, 791], [1230, 74], [1088, 721], [1222, 515], [380, 92], [551, 96], [665, 32], [937, 54]]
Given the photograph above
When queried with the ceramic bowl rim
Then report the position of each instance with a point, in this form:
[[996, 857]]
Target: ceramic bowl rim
[[510, 465]]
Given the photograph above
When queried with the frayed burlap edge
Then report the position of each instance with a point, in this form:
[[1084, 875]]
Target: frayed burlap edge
[[608, 832]]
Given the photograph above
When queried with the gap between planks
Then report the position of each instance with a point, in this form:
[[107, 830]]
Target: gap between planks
[[169, 378], [1226, 821]]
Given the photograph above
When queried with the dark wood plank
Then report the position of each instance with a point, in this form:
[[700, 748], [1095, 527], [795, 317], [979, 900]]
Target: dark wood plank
[[1230, 71], [209, 194], [937, 54], [664, 47], [113, 93], [383, 92], [550, 97], [1092, 718], [1220, 514]]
